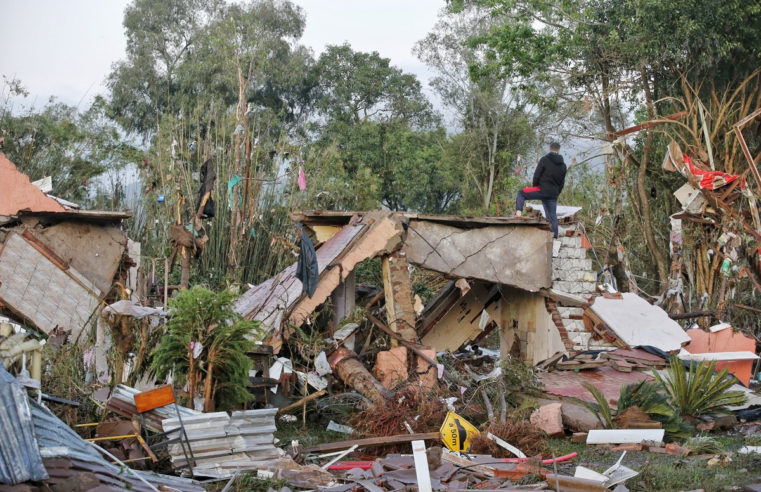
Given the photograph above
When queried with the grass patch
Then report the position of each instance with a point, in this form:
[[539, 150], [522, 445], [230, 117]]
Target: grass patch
[[313, 435], [665, 473]]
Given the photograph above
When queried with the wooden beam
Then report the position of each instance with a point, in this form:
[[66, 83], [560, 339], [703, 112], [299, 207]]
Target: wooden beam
[[371, 442], [648, 124], [747, 308]]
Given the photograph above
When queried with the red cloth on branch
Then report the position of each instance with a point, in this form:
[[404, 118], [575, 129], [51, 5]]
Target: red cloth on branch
[[711, 180]]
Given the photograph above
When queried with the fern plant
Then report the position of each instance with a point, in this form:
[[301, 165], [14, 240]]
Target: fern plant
[[219, 371], [699, 391]]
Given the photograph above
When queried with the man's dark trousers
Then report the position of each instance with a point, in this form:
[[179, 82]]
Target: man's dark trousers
[[550, 204]]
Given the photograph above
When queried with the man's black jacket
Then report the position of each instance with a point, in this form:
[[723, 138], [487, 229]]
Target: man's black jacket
[[550, 174]]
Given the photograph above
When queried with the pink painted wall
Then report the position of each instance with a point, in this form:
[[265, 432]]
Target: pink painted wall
[[704, 342], [18, 193]]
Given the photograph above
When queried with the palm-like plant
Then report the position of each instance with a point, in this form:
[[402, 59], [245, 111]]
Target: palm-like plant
[[199, 316], [648, 397], [699, 391]]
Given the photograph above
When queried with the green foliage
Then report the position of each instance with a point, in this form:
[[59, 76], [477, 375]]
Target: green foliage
[[201, 316], [74, 147], [496, 123], [699, 391], [185, 56], [648, 397], [601, 409], [379, 143], [651, 399], [703, 445]]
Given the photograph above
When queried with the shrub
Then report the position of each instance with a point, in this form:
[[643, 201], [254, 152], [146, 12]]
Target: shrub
[[220, 371], [699, 391]]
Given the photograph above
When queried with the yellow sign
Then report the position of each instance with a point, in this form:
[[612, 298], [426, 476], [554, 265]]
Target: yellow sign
[[456, 432]]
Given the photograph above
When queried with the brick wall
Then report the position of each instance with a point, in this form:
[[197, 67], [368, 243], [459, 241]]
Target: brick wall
[[572, 273]]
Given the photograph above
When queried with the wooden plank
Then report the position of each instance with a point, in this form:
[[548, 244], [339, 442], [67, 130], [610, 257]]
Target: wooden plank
[[624, 436], [153, 399], [371, 442], [564, 298]]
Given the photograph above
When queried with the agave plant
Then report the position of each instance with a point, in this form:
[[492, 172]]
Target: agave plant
[[699, 391]]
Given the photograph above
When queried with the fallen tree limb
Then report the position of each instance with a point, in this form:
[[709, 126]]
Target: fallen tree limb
[[696, 314], [298, 404]]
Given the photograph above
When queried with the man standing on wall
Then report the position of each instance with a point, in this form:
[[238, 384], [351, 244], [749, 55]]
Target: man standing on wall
[[548, 182]]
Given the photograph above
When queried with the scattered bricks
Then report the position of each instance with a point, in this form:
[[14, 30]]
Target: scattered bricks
[[657, 450], [579, 438], [628, 447], [676, 450], [549, 419]]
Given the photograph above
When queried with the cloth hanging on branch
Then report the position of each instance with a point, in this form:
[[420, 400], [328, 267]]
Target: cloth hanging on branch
[[710, 180], [208, 178], [302, 179], [307, 269], [235, 180]]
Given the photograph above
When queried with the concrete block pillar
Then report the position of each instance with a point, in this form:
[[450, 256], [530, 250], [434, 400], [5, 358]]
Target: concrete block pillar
[[398, 289]]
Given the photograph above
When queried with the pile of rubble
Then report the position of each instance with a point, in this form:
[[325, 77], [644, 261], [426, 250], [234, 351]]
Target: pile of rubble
[[514, 329]]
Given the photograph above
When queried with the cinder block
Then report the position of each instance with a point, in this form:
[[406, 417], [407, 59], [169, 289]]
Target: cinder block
[[588, 287]]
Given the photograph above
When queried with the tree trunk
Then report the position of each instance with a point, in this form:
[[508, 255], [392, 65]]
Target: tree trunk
[[208, 401], [191, 380], [655, 251], [232, 261], [355, 375]]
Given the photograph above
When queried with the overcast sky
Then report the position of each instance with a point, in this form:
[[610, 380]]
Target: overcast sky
[[65, 48]]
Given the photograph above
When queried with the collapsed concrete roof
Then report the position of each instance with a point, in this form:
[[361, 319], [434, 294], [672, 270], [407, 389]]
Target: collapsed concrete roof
[[517, 252]]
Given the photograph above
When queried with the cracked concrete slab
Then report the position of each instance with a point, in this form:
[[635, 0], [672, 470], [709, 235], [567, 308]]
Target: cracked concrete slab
[[516, 255]]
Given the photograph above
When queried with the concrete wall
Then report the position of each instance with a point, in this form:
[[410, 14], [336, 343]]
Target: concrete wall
[[527, 330], [514, 255]]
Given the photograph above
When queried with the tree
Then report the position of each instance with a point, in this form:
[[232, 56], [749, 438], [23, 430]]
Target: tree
[[160, 37], [74, 147], [378, 141], [623, 54], [494, 119], [206, 345]]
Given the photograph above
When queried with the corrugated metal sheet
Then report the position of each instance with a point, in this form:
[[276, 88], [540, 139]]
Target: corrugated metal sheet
[[222, 443], [20, 458], [36, 445], [61, 469], [269, 300], [122, 402]]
